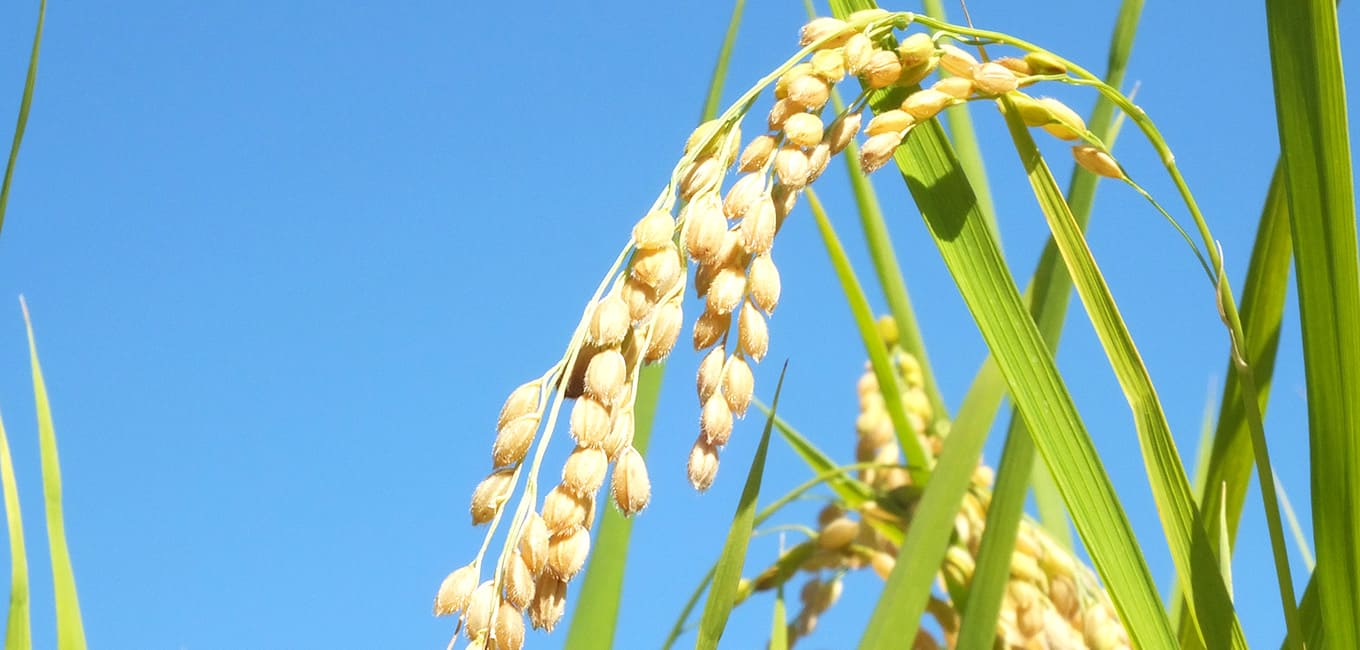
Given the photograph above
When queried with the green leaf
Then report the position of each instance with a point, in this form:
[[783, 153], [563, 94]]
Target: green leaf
[[70, 630], [1310, 106], [722, 593], [779, 626], [24, 102], [18, 630]]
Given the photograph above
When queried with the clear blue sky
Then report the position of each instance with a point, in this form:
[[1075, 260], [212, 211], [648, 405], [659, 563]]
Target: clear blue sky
[[285, 260]]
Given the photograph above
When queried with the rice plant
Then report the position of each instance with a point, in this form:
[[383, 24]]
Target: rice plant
[[962, 564]]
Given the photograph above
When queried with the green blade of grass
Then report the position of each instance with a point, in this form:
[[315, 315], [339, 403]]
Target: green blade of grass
[[1186, 538], [18, 627], [70, 630], [1310, 106], [779, 626], [1295, 529], [942, 193], [24, 102], [1310, 618], [722, 593]]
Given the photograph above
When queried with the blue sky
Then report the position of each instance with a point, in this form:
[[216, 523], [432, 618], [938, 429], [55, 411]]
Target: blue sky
[[285, 261]]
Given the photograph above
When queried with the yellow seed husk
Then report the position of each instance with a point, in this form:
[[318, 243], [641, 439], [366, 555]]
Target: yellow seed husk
[[858, 50], [915, 49], [729, 285], [887, 329], [817, 161], [703, 464], [1045, 63], [819, 28], [803, 129], [994, 79], [584, 471], [620, 434], [609, 322], [780, 112], [477, 619], [829, 65], [658, 268], [756, 154], [926, 103], [589, 422], [763, 281], [455, 590], [791, 166], [1063, 122], [533, 543], [1018, 66], [958, 87], [519, 582], [654, 230], [882, 563], [705, 135], [757, 229], [666, 325], [710, 328], [702, 175], [956, 61], [522, 401], [738, 383], [808, 92], [513, 440], [753, 334], [606, 375], [743, 194], [842, 131], [1097, 162], [564, 509], [838, 534], [1062, 591], [490, 495], [710, 374], [781, 86], [784, 198], [894, 121], [567, 552], [877, 151], [550, 602], [705, 226], [874, 428], [882, 69], [631, 487], [640, 299], [509, 629], [715, 420]]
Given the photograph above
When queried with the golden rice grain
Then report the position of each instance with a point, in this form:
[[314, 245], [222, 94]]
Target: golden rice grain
[[490, 495], [455, 590]]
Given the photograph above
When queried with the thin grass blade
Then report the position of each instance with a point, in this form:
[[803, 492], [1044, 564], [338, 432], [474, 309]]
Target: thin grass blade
[[18, 624], [25, 101], [70, 629], [779, 626], [722, 593]]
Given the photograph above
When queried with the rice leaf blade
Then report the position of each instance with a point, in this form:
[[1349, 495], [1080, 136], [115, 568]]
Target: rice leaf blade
[[25, 101], [18, 625]]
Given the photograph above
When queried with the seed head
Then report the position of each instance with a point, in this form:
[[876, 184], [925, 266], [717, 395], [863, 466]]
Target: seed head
[[817, 160], [1097, 162], [620, 435], [842, 131], [702, 174], [823, 28], [513, 440], [916, 49], [925, 104], [519, 582], [705, 227], [781, 86], [994, 79], [640, 299], [522, 401], [757, 229], [584, 471], [956, 87], [744, 192], [781, 111], [1060, 121], [784, 198], [710, 374], [564, 509], [550, 602], [894, 121], [956, 61], [455, 591], [882, 563], [509, 630], [631, 487], [737, 385], [654, 230], [809, 92], [491, 494], [703, 464], [609, 323], [666, 324], [715, 420], [589, 422], [838, 534], [710, 328], [877, 151], [753, 334], [818, 596], [802, 129], [791, 166], [857, 52], [829, 65], [606, 375], [705, 137], [567, 552], [658, 268], [533, 543], [477, 619], [756, 154], [1018, 66], [1045, 63], [882, 69], [727, 289]]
